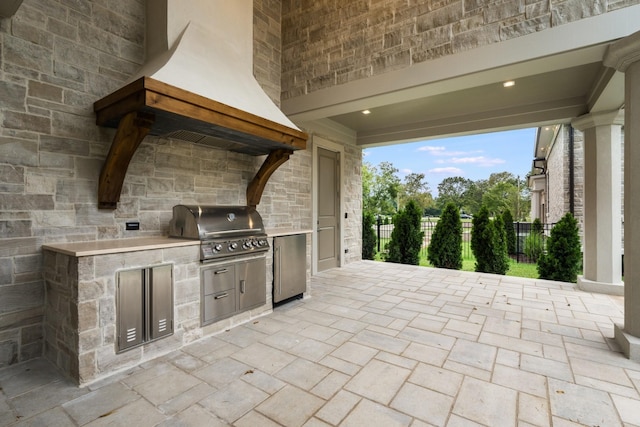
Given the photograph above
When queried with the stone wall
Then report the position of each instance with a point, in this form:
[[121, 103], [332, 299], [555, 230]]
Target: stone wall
[[58, 58], [327, 43], [559, 177], [557, 191]]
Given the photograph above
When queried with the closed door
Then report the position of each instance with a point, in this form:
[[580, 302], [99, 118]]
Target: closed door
[[328, 232]]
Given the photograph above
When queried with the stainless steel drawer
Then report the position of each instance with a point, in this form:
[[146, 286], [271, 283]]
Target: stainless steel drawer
[[218, 279], [218, 306]]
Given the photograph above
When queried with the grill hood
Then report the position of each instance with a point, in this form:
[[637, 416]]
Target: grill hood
[[197, 86]]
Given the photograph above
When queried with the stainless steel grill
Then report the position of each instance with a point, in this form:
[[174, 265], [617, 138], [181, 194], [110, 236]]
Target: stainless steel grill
[[223, 231]]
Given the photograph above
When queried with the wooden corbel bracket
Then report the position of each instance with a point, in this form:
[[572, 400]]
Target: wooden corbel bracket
[[132, 129], [269, 166]]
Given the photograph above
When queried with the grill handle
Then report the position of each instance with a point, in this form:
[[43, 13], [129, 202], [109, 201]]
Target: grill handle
[[237, 231]]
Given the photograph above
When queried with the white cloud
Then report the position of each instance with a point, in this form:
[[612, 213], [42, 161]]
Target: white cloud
[[406, 171], [449, 170], [442, 151], [478, 161], [432, 149]]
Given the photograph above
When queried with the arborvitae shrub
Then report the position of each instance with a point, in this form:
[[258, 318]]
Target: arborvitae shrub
[[368, 236], [406, 237], [507, 218], [535, 241], [500, 254], [479, 238], [445, 248], [536, 226], [563, 258], [488, 244]]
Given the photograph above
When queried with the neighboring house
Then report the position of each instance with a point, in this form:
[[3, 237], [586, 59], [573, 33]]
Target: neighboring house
[[424, 69], [557, 175]]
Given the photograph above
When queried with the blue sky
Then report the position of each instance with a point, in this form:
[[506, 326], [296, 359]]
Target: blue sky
[[474, 157]]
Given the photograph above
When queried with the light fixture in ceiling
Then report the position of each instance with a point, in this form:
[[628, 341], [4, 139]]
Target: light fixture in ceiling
[[509, 83]]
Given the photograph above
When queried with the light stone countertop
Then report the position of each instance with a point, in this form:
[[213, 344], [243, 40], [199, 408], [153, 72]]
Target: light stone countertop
[[102, 247], [278, 232]]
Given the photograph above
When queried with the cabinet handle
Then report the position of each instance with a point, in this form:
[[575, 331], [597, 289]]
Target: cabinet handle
[[224, 270], [242, 286], [280, 270], [221, 296]]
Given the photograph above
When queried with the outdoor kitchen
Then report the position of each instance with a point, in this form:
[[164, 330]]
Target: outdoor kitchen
[[100, 321], [113, 303]]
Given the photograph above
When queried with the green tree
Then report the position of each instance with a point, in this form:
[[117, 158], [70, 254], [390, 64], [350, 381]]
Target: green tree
[[380, 187], [536, 226], [445, 248], [417, 189], [368, 236], [473, 196], [453, 190], [500, 252], [504, 190], [406, 237], [488, 243], [562, 261], [498, 197], [507, 218]]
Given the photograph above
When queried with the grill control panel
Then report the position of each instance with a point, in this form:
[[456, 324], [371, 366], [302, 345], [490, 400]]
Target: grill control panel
[[220, 249]]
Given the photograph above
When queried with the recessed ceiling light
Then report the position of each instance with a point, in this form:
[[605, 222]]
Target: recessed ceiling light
[[509, 83], [366, 112]]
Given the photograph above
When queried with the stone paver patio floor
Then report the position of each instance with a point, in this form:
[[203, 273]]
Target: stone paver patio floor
[[377, 344]]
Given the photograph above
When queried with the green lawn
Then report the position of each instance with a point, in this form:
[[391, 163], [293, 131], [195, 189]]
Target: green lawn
[[516, 269]]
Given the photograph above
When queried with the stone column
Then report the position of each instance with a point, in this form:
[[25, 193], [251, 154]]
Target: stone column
[[602, 202], [624, 55]]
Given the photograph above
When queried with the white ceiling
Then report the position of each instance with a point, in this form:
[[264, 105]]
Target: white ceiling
[[558, 74]]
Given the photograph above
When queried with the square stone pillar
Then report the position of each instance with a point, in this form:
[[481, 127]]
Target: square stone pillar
[[602, 202], [624, 56]]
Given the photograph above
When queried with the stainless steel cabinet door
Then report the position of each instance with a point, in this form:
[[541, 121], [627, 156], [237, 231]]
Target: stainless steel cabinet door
[[160, 300], [144, 305], [130, 308], [252, 286]]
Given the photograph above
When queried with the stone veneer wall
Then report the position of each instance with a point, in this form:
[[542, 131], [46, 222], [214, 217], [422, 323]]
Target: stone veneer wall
[[558, 177], [327, 43], [58, 58]]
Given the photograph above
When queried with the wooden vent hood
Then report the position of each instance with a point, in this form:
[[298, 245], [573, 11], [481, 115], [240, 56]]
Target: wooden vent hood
[[200, 90]]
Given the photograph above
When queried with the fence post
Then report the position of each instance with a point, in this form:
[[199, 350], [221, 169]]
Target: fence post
[[518, 241], [379, 222]]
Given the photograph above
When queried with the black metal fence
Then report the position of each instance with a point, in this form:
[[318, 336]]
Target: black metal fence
[[384, 227]]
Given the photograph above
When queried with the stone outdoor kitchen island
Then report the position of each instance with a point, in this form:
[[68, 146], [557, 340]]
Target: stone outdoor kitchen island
[[81, 303]]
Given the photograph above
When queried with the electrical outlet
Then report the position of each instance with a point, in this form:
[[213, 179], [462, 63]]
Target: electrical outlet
[[133, 225]]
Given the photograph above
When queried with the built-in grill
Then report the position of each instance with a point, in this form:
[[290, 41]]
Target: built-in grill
[[233, 248], [224, 231]]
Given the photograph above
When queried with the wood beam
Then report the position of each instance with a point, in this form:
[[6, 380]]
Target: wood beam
[[269, 166], [132, 129]]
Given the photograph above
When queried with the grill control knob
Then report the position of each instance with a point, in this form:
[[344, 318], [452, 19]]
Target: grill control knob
[[255, 243], [246, 244], [217, 247], [233, 246]]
